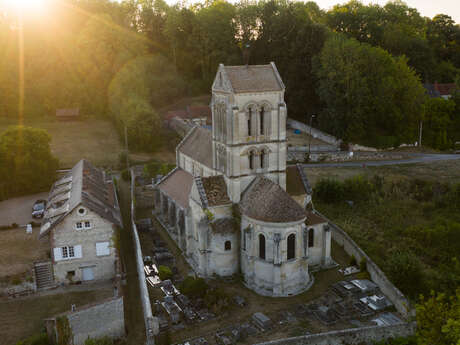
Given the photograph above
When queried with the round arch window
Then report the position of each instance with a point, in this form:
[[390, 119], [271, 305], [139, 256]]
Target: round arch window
[[81, 211]]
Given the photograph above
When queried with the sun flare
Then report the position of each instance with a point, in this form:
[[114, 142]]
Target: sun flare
[[25, 5]]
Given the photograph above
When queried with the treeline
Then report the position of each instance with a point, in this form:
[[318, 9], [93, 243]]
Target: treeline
[[359, 68], [26, 162]]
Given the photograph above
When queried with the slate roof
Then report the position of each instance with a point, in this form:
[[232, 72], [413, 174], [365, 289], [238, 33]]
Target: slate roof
[[177, 185], [266, 201], [226, 225], [313, 219], [197, 145], [83, 185], [296, 181], [216, 190], [254, 78]]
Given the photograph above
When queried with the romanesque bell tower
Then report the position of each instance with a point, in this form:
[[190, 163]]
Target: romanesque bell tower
[[248, 126]]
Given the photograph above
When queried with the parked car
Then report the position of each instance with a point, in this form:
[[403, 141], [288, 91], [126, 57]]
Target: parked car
[[38, 210]]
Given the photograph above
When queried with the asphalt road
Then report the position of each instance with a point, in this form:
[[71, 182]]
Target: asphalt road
[[416, 158]]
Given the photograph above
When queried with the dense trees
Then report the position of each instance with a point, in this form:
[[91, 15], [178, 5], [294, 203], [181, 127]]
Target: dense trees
[[76, 53], [370, 96], [26, 162]]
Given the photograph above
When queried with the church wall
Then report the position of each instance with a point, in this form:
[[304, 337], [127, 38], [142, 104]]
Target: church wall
[[224, 262], [274, 275], [194, 167]]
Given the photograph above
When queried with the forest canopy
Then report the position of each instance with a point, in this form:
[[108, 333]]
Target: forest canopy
[[89, 54]]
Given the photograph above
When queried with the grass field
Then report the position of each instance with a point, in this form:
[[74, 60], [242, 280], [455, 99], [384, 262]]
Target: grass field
[[24, 317], [19, 250], [94, 139]]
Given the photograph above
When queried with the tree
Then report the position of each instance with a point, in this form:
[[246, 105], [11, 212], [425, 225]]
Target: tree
[[26, 162], [438, 119], [405, 271], [438, 319], [370, 96]]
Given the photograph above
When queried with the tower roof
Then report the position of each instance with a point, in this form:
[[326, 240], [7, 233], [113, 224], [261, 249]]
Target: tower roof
[[266, 201], [253, 78]]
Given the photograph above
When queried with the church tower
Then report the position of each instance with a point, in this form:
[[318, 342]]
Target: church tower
[[248, 126]]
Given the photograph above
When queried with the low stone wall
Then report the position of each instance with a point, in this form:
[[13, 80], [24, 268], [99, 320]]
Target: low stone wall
[[316, 133], [354, 336], [400, 302], [101, 320], [151, 323]]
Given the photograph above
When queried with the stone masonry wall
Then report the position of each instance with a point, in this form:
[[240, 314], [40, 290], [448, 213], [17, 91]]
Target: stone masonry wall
[[104, 319], [353, 336]]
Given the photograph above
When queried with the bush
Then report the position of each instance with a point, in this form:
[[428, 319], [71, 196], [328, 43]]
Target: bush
[[353, 261], [99, 341], [194, 287], [363, 265], [126, 175], [405, 271], [330, 191], [164, 272], [38, 339]]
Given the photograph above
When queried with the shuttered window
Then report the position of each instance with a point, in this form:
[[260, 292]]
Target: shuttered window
[[102, 248]]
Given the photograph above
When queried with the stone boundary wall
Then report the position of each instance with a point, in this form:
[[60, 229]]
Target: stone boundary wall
[[353, 336], [316, 133], [401, 303], [151, 323], [330, 139], [313, 148], [104, 319]]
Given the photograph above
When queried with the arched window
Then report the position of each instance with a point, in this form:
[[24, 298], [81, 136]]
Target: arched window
[[263, 159], [251, 160], [311, 237], [291, 247], [262, 246], [262, 118], [249, 121], [228, 245]]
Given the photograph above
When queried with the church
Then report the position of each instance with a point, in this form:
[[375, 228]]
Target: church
[[232, 205]]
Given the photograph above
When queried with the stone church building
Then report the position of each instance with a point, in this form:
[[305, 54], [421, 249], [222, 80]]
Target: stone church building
[[231, 204]]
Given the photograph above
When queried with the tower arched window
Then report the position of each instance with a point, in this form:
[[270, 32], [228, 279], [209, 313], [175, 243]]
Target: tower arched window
[[262, 246], [262, 119], [291, 247], [251, 160], [311, 237], [263, 159], [249, 121]]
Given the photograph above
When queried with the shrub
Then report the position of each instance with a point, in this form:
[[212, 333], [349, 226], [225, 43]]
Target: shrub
[[37, 339], [194, 287], [363, 265], [126, 175], [357, 189], [405, 271], [330, 191], [353, 261], [99, 341], [164, 272]]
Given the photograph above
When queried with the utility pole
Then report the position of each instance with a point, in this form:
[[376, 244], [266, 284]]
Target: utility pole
[[309, 141], [420, 134]]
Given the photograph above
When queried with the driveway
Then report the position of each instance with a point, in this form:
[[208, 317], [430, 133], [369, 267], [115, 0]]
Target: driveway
[[19, 210], [415, 158]]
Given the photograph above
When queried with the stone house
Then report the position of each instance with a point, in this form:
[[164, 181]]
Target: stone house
[[81, 216], [232, 205]]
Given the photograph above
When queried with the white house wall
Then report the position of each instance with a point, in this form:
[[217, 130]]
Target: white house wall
[[65, 234]]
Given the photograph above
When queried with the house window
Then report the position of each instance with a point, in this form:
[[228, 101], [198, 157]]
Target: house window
[[71, 252], [83, 225], [228, 245], [291, 247], [79, 225], [262, 118], [262, 246], [81, 211], [311, 238], [87, 225], [68, 252], [102, 248]]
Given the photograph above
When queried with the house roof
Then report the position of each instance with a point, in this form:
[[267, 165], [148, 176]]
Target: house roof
[[438, 90], [197, 145], [254, 78], [296, 181], [216, 190], [83, 185], [197, 111], [177, 185], [266, 201], [226, 225]]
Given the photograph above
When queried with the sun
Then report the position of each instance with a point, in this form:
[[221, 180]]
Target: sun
[[25, 5]]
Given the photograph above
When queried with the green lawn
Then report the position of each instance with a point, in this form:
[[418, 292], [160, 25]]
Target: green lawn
[[91, 138]]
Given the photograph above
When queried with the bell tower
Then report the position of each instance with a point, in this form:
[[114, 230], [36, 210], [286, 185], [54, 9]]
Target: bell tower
[[248, 126]]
